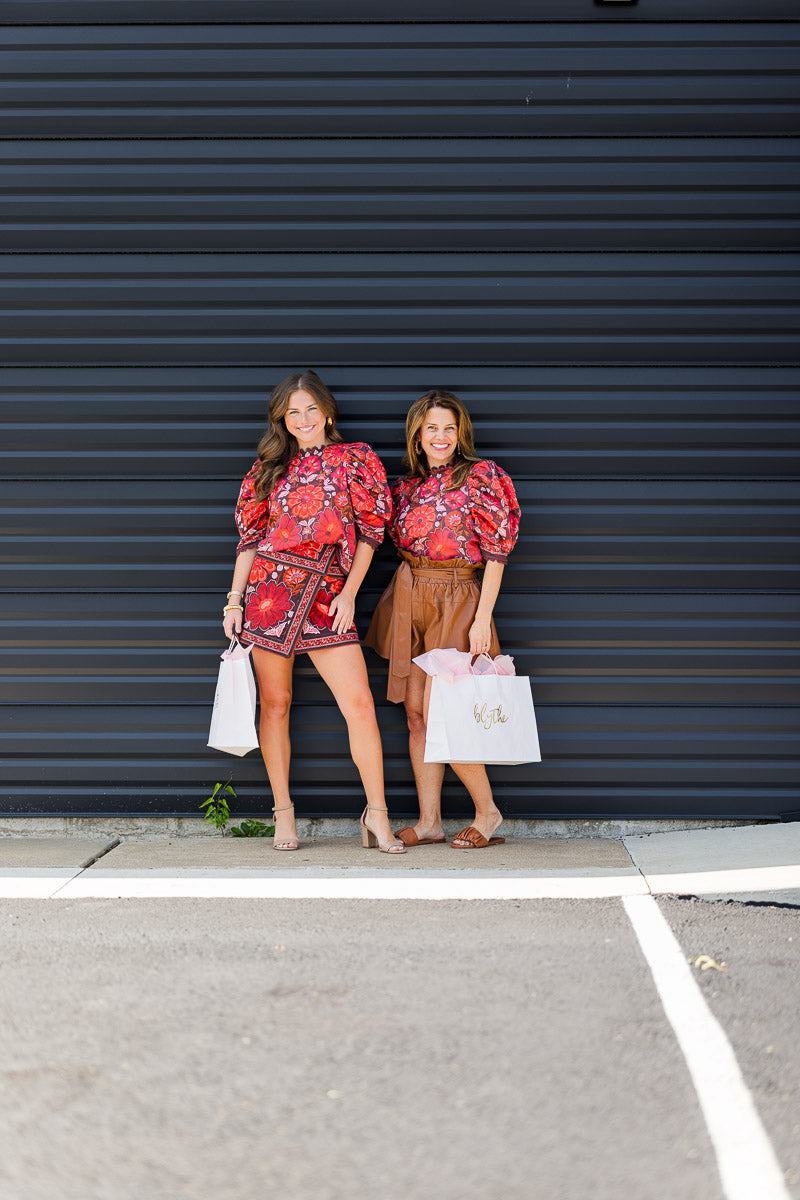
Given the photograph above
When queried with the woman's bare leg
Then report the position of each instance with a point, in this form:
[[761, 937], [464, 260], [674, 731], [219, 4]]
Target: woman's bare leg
[[345, 672], [488, 817], [428, 776], [274, 675]]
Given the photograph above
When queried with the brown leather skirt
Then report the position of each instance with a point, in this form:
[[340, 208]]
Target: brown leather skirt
[[428, 605]]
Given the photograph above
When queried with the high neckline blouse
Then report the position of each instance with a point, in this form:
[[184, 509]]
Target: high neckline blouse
[[334, 495], [478, 522]]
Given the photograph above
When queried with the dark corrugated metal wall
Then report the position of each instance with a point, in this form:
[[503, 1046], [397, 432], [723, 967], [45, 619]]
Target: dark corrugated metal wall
[[579, 224]]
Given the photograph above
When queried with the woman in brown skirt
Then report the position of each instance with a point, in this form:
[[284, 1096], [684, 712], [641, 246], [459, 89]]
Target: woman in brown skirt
[[454, 514], [310, 513]]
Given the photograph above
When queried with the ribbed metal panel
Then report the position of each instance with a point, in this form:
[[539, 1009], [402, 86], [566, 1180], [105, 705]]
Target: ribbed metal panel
[[133, 12], [576, 224], [399, 80], [379, 308], [305, 194]]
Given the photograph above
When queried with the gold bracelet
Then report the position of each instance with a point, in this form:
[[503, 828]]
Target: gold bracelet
[[233, 593], [236, 607]]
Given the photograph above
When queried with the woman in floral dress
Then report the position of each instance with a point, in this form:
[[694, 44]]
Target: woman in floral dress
[[311, 511], [454, 514]]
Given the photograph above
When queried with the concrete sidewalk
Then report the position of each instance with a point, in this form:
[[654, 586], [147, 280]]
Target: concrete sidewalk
[[756, 863]]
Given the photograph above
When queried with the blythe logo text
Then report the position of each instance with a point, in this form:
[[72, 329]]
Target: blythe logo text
[[487, 717]]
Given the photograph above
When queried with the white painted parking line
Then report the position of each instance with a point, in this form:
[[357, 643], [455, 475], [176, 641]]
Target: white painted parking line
[[31, 883], [747, 1163], [350, 884]]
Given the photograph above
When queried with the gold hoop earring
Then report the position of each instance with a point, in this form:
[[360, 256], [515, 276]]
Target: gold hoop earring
[[329, 422]]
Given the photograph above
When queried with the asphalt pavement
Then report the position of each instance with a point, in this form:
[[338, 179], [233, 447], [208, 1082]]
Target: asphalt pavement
[[181, 1042]]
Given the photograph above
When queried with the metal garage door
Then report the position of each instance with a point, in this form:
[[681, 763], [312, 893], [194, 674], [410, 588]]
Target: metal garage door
[[579, 224]]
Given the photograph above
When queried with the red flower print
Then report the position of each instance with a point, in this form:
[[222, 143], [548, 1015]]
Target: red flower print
[[328, 527], [453, 520], [268, 604], [342, 501], [309, 465], [292, 576], [285, 533], [456, 499], [430, 487], [441, 545], [306, 501], [362, 499], [419, 520], [258, 572], [320, 614]]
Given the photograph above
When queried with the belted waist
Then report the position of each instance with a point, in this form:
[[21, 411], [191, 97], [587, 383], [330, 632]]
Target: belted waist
[[452, 571], [458, 569]]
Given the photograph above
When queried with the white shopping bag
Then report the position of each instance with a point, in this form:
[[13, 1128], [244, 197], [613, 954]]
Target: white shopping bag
[[233, 721], [482, 719]]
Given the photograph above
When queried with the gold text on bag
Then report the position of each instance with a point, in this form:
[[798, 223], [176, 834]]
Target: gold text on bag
[[487, 717]]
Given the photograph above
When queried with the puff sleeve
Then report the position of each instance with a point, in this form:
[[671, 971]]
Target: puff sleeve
[[369, 493], [251, 514], [494, 509]]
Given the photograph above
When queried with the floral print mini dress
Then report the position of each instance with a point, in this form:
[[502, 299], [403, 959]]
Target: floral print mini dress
[[306, 533]]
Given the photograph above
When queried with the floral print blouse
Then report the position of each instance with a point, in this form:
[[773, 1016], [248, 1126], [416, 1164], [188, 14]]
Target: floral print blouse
[[335, 495], [478, 521]]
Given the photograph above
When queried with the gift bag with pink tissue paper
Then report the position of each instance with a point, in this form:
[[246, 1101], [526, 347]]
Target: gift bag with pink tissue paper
[[479, 712], [233, 721], [502, 665]]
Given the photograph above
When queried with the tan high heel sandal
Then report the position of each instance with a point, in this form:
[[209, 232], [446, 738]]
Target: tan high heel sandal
[[369, 840], [290, 843]]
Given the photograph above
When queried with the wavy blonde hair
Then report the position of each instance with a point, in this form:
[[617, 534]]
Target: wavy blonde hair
[[278, 447], [464, 458]]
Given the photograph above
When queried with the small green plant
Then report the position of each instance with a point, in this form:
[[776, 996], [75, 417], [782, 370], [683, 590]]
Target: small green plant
[[252, 829], [218, 814], [217, 811]]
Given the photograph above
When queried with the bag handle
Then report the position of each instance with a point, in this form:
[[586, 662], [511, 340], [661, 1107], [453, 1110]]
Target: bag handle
[[489, 659], [235, 642]]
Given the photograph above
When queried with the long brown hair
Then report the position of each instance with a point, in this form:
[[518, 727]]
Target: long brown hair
[[278, 447], [415, 461]]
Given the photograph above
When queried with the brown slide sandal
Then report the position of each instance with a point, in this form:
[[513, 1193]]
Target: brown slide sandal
[[409, 838], [474, 840]]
